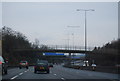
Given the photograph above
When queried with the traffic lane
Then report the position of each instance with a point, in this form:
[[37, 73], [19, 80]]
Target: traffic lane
[[13, 72], [57, 72], [29, 74], [65, 73], [39, 75], [22, 74], [69, 73]]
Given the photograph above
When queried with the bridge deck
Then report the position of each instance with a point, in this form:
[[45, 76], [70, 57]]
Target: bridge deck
[[51, 50]]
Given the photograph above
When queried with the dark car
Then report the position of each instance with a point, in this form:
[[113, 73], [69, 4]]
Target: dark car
[[23, 64], [3, 65], [42, 66]]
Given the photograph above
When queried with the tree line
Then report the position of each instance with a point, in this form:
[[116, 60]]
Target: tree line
[[107, 55], [12, 40]]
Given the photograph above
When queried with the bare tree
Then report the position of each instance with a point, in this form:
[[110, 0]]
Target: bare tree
[[36, 43]]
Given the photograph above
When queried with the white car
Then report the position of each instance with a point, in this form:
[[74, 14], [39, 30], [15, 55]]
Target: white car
[[94, 65]]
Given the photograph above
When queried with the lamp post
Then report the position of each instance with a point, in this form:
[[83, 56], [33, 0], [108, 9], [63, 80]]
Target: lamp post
[[73, 33], [73, 40], [73, 37], [85, 10], [67, 41]]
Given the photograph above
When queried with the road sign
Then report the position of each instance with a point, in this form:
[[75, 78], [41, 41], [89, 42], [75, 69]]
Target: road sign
[[53, 54]]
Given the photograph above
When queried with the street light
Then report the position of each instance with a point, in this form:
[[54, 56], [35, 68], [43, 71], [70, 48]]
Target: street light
[[74, 26], [67, 42], [73, 33], [73, 40], [85, 10]]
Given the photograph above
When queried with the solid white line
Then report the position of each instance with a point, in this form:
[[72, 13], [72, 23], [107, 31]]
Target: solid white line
[[14, 77]]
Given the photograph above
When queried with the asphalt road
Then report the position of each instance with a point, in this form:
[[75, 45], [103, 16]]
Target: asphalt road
[[57, 72]]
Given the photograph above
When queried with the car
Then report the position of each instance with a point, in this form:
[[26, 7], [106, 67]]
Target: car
[[50, 64], [23, 64], [41, 66], [94, 67], [3, 65]]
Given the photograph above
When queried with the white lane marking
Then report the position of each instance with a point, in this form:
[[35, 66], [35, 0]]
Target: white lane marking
[[62, 78], [55, 74], [14, 77], [20, 73], [25, 71]]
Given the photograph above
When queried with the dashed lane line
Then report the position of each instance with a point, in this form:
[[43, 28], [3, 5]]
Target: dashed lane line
[[55, 74], [18, 75], [62, 78], [26, 71], [14, 77]]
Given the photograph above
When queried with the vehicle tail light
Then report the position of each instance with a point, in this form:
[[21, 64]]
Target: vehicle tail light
[[20, 63], [0, 62], [26, 63]]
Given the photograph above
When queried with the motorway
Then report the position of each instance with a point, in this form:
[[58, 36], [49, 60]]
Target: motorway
[[57, 72]]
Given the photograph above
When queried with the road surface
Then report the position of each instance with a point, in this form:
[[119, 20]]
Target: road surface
[[59, 73]]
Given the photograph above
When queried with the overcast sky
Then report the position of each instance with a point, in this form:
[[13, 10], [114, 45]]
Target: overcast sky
[[49, 21]]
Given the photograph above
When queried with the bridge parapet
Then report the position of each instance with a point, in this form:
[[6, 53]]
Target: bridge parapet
[[65, 47], [57, 48]]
